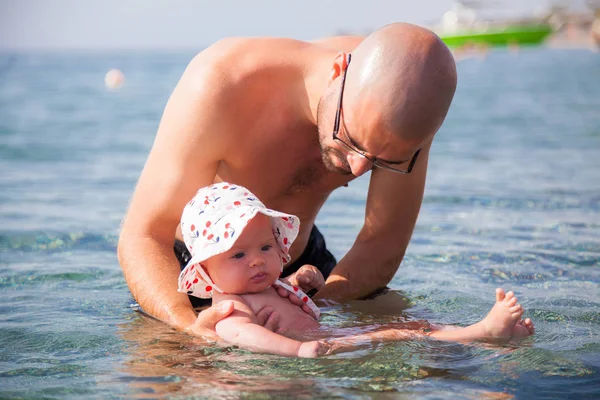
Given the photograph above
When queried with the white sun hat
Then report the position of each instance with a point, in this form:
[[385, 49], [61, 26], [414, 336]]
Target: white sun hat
[[211, 223]]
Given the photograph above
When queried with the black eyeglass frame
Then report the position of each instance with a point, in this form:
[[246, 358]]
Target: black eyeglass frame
[[362, 153]]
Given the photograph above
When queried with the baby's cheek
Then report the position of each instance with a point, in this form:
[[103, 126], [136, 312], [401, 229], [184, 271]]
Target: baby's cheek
[[233, 283], [227, 282]]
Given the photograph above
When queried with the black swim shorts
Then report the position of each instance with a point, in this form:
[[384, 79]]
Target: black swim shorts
[[315, 253]]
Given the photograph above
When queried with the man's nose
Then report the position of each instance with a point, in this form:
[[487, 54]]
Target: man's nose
[[358, 164]]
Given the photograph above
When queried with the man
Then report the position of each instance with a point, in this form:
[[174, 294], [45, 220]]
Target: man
[[293, 121]]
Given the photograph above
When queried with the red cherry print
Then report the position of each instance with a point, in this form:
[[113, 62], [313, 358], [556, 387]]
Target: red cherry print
[[236, 203], [226, 234], [305, 299], [285, 240], [195, 281], [208, 288], [295, 288], [207, 224], [210, 236], [284, 218], [226, 187], [206, 201], [192, 227], [227, 225], [204, 232]]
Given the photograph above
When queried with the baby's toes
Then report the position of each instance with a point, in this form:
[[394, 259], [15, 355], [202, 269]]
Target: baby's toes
[[517, 314], [500, 294], [516, 308], [529, 325], [509, 295], [511, 302]]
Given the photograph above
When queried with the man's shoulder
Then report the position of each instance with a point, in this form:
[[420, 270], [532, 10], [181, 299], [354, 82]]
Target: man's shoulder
[[216, 71], [237, 57], [234, 71], [345, 43], [250, 45]]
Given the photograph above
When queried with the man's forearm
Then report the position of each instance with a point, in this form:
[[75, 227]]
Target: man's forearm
[[151, 272], [359, 274]]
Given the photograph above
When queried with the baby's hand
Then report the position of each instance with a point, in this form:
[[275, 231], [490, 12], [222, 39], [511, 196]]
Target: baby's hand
[[307, 278]]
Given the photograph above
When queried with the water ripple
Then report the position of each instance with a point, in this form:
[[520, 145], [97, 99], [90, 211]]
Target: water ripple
[[56, 241]]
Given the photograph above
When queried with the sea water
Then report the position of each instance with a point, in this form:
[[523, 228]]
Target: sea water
[[512, 200]]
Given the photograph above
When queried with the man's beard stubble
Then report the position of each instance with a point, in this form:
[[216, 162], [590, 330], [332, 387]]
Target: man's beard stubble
[[329, 153]]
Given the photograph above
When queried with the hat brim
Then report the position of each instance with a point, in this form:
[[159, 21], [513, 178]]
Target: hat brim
[[285, 228]]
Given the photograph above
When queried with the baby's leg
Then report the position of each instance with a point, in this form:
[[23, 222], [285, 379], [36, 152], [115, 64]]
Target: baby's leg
[[503, 322], [354, 342]]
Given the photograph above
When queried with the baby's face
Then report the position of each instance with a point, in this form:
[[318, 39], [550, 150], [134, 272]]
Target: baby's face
[[252, 264]]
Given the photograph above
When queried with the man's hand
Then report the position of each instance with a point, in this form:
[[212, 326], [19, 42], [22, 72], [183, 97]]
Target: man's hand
[[205, 324], [307, 278]]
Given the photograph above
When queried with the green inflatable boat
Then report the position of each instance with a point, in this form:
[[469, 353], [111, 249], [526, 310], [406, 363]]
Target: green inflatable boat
[[508, 35]]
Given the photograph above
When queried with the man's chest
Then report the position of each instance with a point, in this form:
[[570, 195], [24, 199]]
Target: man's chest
[[276, 166]]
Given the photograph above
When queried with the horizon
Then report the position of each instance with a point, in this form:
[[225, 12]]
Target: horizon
[[179, 25]]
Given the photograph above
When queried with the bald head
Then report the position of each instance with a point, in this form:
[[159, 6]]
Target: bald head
[[401, 80]]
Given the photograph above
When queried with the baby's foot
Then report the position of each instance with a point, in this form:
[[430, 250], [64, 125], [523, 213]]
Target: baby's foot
[[504, 319], [523, 329]]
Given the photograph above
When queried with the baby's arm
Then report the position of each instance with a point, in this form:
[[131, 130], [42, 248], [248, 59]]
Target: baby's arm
[[241, 328]]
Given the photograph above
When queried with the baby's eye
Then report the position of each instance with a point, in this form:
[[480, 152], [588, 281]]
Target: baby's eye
[[238, 256], [266, 247]]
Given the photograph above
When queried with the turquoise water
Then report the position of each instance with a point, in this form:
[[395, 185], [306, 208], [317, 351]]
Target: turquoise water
[[512, 200]]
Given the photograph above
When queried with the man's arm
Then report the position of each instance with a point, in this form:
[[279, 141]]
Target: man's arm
[[393, 205], [191, 139]]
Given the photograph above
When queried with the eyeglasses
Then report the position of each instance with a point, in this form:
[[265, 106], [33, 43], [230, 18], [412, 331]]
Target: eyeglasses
[[379, 163]]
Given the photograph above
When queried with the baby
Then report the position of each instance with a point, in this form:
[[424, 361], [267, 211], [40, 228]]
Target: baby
[[238, 249]]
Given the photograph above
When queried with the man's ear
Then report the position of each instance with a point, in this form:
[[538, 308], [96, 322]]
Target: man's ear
[[340, 63]]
